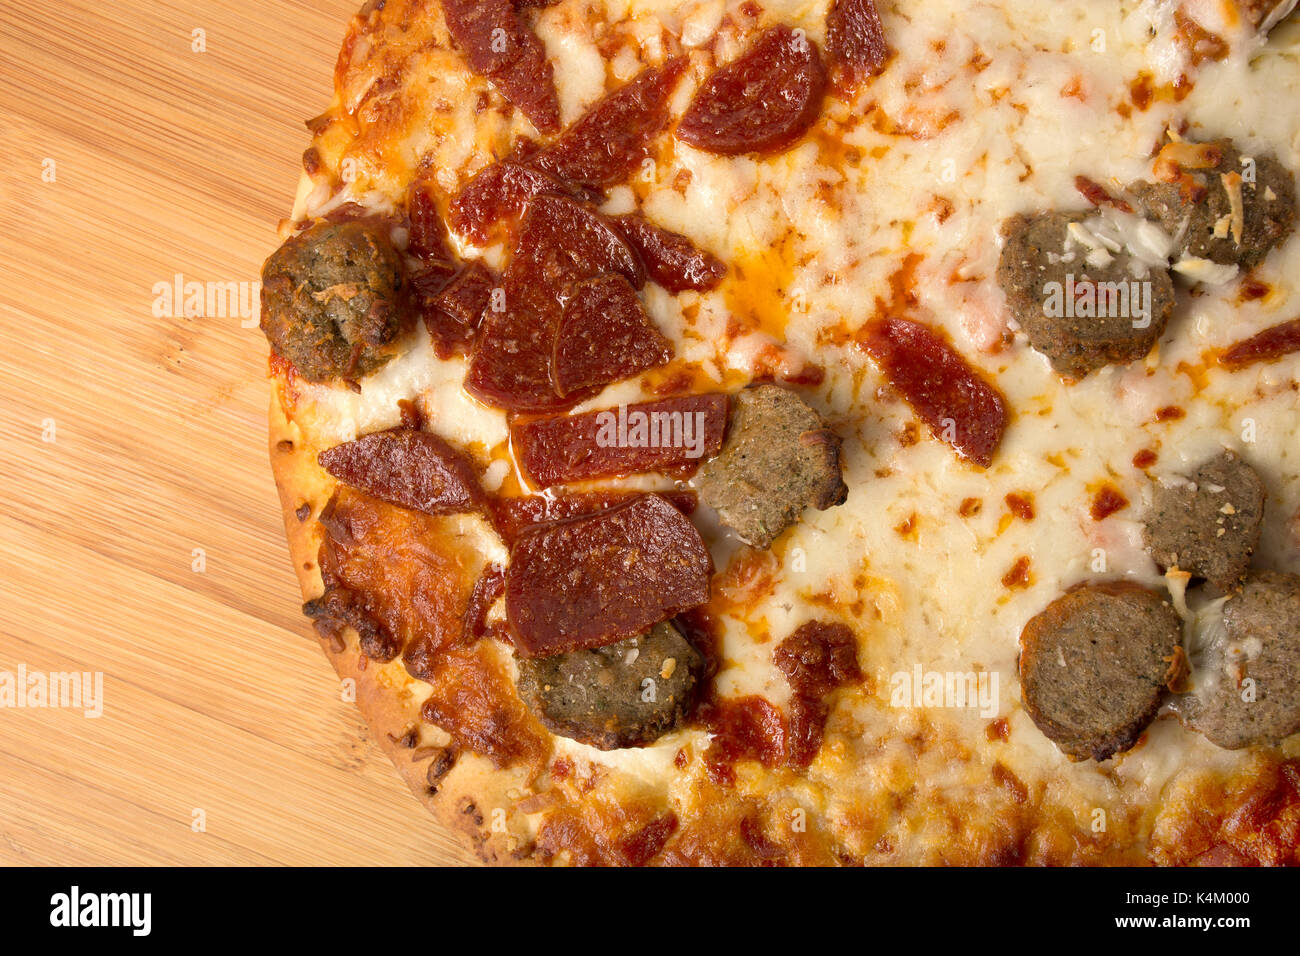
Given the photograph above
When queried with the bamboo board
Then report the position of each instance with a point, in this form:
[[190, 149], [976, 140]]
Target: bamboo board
[[140, 535]]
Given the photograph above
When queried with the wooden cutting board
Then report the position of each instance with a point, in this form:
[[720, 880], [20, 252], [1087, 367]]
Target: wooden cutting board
[[140, 535]]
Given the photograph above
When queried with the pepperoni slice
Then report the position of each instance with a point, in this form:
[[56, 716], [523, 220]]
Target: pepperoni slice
[[428, 233], [416, 470], [761, 102], [674, 436], [960, 407], [855, 40], [592, 581], [600, 149], [513, 516], [500, 47], [452, 316], [1272, 343], [670, 258], [604, 336], [498, 192], [560, 243]]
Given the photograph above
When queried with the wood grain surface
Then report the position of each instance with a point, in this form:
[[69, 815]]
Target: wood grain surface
[[140, 534]]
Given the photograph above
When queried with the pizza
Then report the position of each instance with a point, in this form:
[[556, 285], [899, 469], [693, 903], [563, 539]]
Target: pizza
[[812, 433]]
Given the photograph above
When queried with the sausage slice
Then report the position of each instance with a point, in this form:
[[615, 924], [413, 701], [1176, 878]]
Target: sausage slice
[[627, 694], [1208, 525], [1082, 301], [779, 458], [1197, 199], [1094, 665], [1247, 683]]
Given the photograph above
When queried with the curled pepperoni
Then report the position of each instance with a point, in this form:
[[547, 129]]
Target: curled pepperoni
[[498, 192], [1272, 343], [560, 243], [499, 46], [452, 316], [592, 581], [670, 258], [855, 40], [761, 102], [416, 470], [513, 516], [960, 407], [605, 335], [674, 435], [600, 149]]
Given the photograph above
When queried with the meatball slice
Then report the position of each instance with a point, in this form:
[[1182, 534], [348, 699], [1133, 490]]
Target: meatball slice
[[1208, 525], [1246, 680], [779, 458], [627, 694], [1220, 207], [1082, 299], [334, 300], [1094, 665]]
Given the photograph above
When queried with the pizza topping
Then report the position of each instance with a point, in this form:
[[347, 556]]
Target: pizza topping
[[1245, 685], [1224, 207], [513, 516], [427, 238], [747, 728], [626, 694], [591, 581], [816, 659], [761, 102], [491, 585], [605, 335], [1098, 195], [601, 148], [779, 459], [409, 468], [334, 300], [392, 574], [499, 46], [499, 192], [670, 258], [1272, 343], [560, 243], [1094, 666], [855, 40], [1208, 525], [645, 844], [673, 435], [475, 702], [453, 314], [952, 398], [1083, 299]]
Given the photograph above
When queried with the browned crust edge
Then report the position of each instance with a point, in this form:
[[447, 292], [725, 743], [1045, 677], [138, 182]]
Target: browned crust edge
[[471, 783]]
